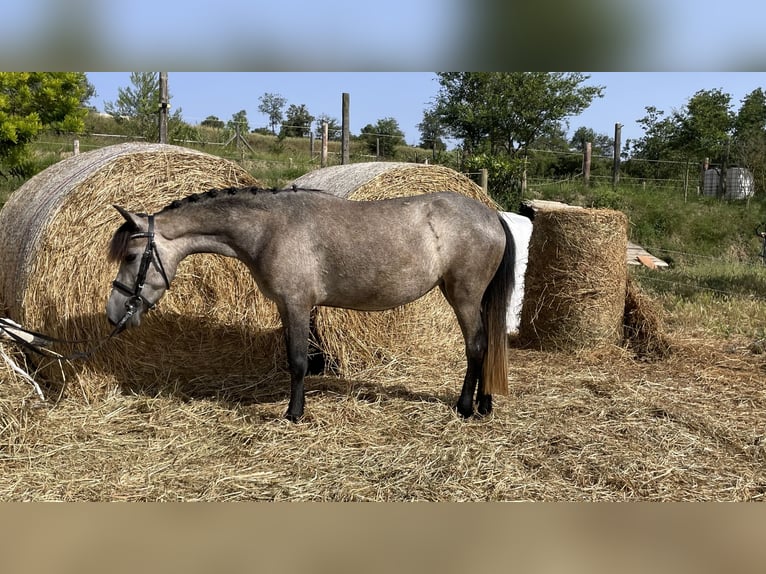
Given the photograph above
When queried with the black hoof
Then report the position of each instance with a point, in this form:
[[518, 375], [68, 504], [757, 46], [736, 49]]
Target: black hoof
[[293, 418], [465, 411], [485, 405]]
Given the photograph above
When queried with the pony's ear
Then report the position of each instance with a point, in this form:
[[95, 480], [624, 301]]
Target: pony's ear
[[129, 217]]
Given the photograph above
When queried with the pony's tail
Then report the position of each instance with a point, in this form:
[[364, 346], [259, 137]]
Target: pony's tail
[[494, 309]]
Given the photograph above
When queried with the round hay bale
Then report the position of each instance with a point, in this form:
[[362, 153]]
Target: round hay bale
[[409, 338], [576, 279], [384, 180], [55, 277]]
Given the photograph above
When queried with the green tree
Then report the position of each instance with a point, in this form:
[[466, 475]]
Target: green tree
[[704, 126], [601, 144], [751, 116], [137, 109], [648, 154], [333, 128], [431, 131], [297, 123], [33, 101], [239, 119], [383, 137], [506, 112], [749, 141], [272, 105], [212, 122]]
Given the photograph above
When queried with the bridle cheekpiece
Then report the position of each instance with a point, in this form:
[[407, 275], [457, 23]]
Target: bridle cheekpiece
[[150, 255]]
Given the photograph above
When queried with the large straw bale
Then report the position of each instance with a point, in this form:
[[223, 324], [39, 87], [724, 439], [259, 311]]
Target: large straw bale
[[576, 279], [384, 180], [410, 337], [55, 278]]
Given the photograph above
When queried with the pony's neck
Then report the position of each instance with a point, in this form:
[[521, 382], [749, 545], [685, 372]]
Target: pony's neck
[[197, 231]]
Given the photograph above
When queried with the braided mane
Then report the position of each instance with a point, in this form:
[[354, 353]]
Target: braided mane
[[118, 247], [225, 192]]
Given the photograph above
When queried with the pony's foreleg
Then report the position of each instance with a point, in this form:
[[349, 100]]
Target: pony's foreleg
[[296, 324]]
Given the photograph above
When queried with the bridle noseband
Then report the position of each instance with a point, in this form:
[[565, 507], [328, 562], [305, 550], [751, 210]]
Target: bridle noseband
[[151, 255]]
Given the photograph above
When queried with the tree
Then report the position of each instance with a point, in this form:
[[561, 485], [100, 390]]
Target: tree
[[33, 101], [431, 131], [383, 137], [749, 140], [239, 119], [508, 111], [137, 107], [298, 122], [271, 105], [601, 144], [212, 122], [333, 128], [658, 143], [704, 126], [751, 116], [659, 136]]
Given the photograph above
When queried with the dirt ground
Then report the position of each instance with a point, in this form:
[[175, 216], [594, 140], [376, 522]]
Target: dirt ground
[[598, 426]]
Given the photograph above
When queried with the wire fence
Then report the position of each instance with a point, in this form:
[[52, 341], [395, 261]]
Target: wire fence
[[544, 168], [306, 148]]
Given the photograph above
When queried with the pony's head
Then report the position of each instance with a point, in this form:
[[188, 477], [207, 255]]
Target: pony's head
[[142, 278]]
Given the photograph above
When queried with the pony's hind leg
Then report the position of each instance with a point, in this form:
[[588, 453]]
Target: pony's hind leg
[[469, 318], [464, 404]]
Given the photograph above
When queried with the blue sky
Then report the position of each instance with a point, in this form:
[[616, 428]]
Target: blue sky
[[404, 95], [395, 35]]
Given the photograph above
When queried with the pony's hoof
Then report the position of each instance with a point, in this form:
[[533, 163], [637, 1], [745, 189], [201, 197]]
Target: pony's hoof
[[485, 406], [465, 411], [292, 417]]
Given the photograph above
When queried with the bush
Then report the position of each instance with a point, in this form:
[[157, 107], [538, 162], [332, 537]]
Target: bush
[[505, 175]]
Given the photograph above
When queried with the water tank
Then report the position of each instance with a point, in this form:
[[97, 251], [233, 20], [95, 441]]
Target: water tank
[[739, 183], [711, 182]]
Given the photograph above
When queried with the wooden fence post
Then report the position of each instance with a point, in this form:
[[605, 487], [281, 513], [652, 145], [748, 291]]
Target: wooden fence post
[[586, 159], [164, 104], [524, 176], [323, 157], [344, 142], [617, 151], [484, 178]]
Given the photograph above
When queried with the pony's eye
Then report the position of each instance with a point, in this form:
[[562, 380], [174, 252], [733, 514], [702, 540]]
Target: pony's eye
[[130, 257]]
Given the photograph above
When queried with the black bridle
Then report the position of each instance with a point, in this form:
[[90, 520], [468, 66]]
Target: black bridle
[[135, 298], [38, 342]]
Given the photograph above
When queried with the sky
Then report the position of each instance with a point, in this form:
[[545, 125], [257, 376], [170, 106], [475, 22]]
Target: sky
[[396, 35], [405, 95], [311, 52]]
